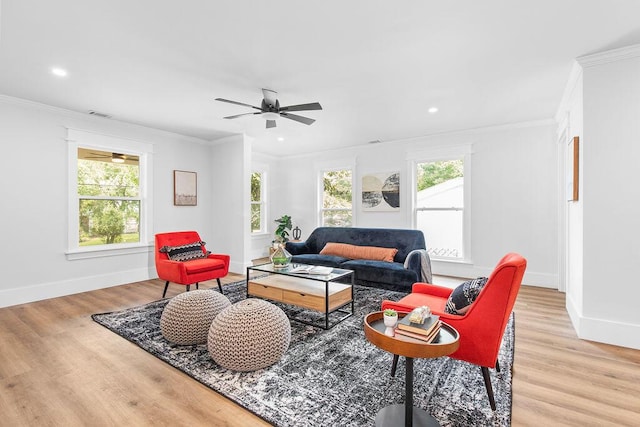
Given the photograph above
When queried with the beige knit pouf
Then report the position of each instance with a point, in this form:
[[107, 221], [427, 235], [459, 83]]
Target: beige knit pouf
[[187, 317], [250, 335]]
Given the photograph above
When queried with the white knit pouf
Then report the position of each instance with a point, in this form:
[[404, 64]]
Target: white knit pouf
[[187, 317], [249, 335]]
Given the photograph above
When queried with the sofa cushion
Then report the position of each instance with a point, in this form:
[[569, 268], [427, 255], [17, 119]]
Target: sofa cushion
[[317, 259], [381, 272], [185, 252], [403, 240], [359, 252], [464, 295]]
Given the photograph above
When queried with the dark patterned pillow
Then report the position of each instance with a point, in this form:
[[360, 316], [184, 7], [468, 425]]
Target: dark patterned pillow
[[185, 252], [466, 293]]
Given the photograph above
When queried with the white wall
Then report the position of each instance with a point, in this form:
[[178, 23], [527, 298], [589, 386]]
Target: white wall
[[33, 189], [513, 203], [230, 165], [611, 204]]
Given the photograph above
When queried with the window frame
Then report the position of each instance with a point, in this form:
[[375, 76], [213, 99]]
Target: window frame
[[443, 154], [95, 141], [263, 201]]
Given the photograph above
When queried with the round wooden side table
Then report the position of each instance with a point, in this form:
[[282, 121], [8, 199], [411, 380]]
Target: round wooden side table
[[446, 343]]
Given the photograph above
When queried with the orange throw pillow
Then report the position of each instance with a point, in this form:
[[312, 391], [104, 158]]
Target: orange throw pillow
[[359, 252]]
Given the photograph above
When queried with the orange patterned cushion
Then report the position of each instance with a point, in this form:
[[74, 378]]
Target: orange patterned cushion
[[359, 252]]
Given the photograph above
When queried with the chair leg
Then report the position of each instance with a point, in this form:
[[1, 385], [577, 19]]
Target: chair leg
[[487, 384], [166, 285], [394, 365], [497, 366], [188, 288], [219, 285], [197, 286]]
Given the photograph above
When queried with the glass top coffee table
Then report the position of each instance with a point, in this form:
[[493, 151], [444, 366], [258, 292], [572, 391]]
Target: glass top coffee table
[[325, 293]]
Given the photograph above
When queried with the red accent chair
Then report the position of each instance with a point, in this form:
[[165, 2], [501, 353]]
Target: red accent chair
[[194, 271], [481, 328]]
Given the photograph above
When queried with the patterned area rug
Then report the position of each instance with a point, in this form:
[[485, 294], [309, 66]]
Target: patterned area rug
[[333, 377]]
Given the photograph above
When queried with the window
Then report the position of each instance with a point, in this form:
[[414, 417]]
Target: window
[[439, 207], [109, 197], [110, 207], [337, 202], [258, 202]]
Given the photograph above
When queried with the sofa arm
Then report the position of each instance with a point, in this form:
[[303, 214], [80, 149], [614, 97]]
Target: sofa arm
[[297, 248], [224, 258], [397, 306], [172, 271], [428, 288], [419, 262]]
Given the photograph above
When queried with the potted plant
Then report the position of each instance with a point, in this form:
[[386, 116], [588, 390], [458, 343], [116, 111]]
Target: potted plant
[[390, 317], [284, 224]]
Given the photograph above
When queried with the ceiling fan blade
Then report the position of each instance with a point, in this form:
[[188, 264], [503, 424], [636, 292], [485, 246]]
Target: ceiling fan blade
[[270, 96], [237, 103], [271, 124], [239, 115], [302, 107], [305, 120]]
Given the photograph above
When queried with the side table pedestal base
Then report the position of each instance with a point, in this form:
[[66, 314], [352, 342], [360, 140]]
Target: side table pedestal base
[[393, 416]]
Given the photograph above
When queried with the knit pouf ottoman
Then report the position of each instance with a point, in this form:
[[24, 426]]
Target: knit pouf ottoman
[[187, 317], [250, 335]]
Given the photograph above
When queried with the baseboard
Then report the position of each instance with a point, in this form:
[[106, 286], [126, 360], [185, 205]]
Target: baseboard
[[602, 330], [42, 291]]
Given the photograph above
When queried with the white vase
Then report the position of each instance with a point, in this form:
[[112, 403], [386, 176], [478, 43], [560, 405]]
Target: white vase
[[390, 323]]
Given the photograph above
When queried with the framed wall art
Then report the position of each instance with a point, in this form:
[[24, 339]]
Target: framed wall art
[[185, 188], [381, 191]]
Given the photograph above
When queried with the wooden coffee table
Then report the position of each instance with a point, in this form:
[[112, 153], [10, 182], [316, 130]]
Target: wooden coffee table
[[410, 348], [315, 292]]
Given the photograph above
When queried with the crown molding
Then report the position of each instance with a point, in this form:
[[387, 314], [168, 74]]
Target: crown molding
[[569, 90], [609, 56], [86, 118]]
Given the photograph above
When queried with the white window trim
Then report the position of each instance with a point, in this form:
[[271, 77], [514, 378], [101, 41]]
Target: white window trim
[[263, 201], [446, 153], [81, 138]]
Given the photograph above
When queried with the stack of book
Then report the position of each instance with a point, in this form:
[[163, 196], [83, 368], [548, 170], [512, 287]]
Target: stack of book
[[426, 331]]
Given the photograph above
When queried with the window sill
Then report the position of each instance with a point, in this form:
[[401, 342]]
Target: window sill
[[113, 250], [260, 235]]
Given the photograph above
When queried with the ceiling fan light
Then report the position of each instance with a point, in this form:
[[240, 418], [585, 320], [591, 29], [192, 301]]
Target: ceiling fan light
[[268, 115]]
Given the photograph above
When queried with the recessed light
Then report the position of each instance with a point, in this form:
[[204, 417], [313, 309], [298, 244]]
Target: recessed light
[[280, 139], [60, 72], [433, 110]]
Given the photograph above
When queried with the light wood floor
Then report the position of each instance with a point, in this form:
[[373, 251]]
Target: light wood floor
[[59, 368]]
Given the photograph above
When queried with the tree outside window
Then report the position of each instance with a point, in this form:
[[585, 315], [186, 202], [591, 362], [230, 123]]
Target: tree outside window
[[258, 211], [337, 201], [440, 206], [108, 198]]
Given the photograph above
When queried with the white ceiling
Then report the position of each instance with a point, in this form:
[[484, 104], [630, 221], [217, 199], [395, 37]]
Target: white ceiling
[[375, 66]]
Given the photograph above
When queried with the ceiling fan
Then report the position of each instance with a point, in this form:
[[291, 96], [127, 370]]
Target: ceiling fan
[[115, 157], [270, 109]]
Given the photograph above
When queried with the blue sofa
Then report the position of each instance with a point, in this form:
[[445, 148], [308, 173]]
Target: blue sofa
[[379, 274]]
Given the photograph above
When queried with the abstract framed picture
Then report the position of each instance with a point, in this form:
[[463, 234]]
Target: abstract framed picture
[[381, 192], [185, 188]]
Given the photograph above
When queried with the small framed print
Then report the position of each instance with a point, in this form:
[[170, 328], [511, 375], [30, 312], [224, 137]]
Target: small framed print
[[185, 188]]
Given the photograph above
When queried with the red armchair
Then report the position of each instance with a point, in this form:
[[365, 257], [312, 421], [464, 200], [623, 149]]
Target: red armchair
[[481, 328], [194, 271]]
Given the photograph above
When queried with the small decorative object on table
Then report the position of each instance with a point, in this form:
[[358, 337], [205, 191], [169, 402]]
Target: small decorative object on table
[[281, 258], [420, 314], [390, 321]]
